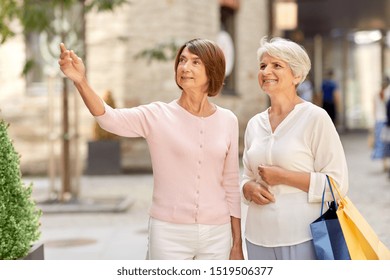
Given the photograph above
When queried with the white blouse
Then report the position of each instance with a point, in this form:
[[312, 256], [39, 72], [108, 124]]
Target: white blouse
[[306, 140]]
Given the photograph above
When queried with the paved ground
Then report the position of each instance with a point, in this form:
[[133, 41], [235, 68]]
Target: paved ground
[[122, 235]]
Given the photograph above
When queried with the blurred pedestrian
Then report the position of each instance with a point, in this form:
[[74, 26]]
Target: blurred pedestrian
[[381, 149], [330, 95], [385, 134], [193, 143], [288, 150], [305, 90]]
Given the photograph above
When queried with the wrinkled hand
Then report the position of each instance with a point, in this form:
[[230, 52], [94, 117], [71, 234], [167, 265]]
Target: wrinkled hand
[[71, 65], [258, 193], [271, 175]]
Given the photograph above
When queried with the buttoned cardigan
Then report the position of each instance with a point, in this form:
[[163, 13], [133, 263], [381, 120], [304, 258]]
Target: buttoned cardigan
[[194, 160]]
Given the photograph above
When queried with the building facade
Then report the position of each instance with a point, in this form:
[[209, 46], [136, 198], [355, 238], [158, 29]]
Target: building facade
[[114, 42]]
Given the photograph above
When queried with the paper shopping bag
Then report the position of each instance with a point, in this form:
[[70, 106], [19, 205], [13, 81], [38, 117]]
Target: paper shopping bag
[[363, 243], [328, 238]]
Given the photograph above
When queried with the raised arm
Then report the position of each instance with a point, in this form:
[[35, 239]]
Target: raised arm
[[73, 68]]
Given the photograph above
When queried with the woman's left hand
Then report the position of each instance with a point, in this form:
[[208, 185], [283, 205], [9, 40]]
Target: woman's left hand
[[272, 175], [236, 252]]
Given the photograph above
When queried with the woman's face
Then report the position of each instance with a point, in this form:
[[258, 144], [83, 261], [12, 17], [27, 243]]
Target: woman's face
[[275, 75], [191, 72]]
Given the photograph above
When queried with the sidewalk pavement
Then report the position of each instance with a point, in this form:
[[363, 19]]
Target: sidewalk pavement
[[122, 235]]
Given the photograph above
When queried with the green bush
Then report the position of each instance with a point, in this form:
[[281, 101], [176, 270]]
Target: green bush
[[19, 216]]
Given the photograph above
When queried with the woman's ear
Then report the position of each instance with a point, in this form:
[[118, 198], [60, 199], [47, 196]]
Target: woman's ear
[[296, 80]]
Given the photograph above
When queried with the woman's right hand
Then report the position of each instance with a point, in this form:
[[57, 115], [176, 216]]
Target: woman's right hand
[[71, 65], [257, 193]]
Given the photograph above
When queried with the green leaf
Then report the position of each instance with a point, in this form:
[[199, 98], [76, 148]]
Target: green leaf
[[105, 5], [30, 64]]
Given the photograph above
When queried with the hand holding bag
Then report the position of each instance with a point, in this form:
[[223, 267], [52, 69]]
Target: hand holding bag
[[362, 241], [328, 238]]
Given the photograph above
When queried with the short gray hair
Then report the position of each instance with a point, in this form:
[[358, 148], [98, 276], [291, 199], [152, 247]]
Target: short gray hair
[[292, 53]]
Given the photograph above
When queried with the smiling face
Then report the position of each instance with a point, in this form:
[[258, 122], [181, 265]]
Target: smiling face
[[191, 72], [275, 75]]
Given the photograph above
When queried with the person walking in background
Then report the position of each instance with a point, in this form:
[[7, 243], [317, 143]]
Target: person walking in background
[[330, 95], [193, 143], [305, 90], [381, 149], [385, 133], [288, 150]]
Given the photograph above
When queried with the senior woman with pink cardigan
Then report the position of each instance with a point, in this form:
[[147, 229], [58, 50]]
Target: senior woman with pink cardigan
[[193, 143]]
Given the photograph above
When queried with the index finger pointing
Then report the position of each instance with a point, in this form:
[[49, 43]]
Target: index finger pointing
[[62, 48]]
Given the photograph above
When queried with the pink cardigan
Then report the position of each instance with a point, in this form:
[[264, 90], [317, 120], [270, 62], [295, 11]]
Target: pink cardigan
[[194, 159]]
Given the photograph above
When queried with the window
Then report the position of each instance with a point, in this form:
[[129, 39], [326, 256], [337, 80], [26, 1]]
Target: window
[[226, 42]]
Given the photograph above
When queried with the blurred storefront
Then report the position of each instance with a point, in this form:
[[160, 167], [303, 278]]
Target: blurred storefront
[[350, 36], [113, 43]]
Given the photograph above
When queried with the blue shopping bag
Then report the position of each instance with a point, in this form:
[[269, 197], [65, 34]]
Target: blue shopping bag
[[328, 238]]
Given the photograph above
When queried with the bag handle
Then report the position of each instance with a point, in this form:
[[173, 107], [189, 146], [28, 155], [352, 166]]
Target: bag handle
[[323, 194], [333, 184]]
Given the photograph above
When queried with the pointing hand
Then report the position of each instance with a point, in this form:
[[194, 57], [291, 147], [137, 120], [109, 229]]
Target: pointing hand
[[71, 65]]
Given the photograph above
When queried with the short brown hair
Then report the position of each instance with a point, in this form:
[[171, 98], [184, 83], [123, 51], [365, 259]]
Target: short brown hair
[[212, 57]]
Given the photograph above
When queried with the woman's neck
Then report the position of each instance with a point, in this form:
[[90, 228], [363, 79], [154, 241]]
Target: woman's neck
[[283, 106], [196, 104], [280, 108]]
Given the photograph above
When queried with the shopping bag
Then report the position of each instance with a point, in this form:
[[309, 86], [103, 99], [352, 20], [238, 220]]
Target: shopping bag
[[328, 238], [362, 242]]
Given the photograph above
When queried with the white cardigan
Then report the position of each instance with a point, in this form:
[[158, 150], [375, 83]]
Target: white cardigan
[[306, 140]]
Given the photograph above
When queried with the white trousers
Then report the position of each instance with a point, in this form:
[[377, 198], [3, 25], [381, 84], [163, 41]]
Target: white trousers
[[168, 241]]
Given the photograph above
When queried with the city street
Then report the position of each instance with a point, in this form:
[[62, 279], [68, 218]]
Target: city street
[[122, 235]]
